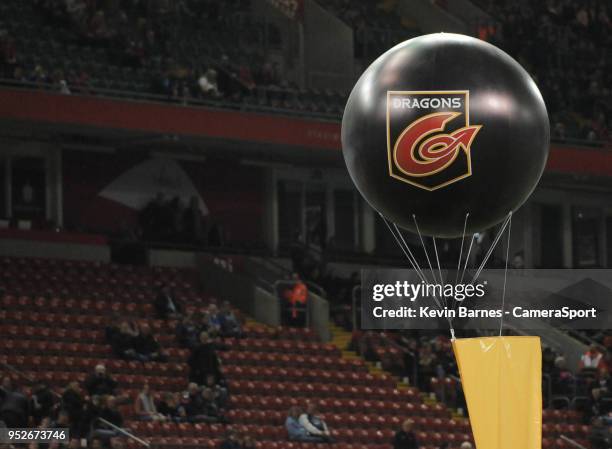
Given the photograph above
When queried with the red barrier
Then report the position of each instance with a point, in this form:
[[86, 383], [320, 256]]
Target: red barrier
[[46, 107]]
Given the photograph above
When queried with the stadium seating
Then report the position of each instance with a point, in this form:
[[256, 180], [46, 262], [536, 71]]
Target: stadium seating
[[52, 320]]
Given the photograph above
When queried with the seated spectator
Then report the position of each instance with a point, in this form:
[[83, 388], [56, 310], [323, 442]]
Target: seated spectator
[[144, 406], [110, 412], [295, 430], [405, 437], [314, 423], [212, 407], [228, 322], [165, 305], [219, 389], [123, 340], [100, 383], [187, 331], [203, 360], [171, 408], [213, 321], [466, 445], [146, 346], [200, 406], [14, 407], [600, 435]]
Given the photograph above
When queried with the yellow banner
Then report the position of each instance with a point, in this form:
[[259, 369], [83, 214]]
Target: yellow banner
[[502, 383]]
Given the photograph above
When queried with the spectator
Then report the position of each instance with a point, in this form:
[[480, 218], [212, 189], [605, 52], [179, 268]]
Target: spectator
[[466, 445], [229, 324], [294, 308], [405, 437], [204, 360], [100, 383], [590, 360], [171, 408], [72, 401], [73, 404], [187, 331], [146, 346], [144, 406], [199, 405], [213, 322], [295, 430], [110, 412], [123, 340], [14, 407], [208, 84], [165, 305], [600, 435], [212, 408], [219, 390], [314, 423], [42, 402]]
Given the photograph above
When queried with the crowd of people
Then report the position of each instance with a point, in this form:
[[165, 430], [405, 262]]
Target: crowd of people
[[564, 45]]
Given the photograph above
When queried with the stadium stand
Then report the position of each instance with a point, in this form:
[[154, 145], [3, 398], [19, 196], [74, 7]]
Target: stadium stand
[[54, 316], [187, 54]]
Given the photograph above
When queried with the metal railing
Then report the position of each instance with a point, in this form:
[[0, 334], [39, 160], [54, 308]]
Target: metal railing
[[572, 442], [124, 432]]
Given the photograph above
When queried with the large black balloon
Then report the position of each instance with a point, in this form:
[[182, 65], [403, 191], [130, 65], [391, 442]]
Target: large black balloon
[[508, 125]]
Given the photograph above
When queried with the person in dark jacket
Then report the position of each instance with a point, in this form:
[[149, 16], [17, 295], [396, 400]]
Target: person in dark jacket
[[123, 341], [100, 383], [405, 438], [165, 305], [204, 360], [146, 346], [110, 412], [187, 332], [42, 402], [14, 407]]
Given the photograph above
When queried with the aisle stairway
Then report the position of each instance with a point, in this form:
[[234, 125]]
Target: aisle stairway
[[556, 422]]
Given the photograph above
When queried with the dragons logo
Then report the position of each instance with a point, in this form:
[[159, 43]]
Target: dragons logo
[[425, 153]]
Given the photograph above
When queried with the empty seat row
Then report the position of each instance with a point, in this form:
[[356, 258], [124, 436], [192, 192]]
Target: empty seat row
[[276, 373], [326, 390], [291, 360], [335, 405]]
